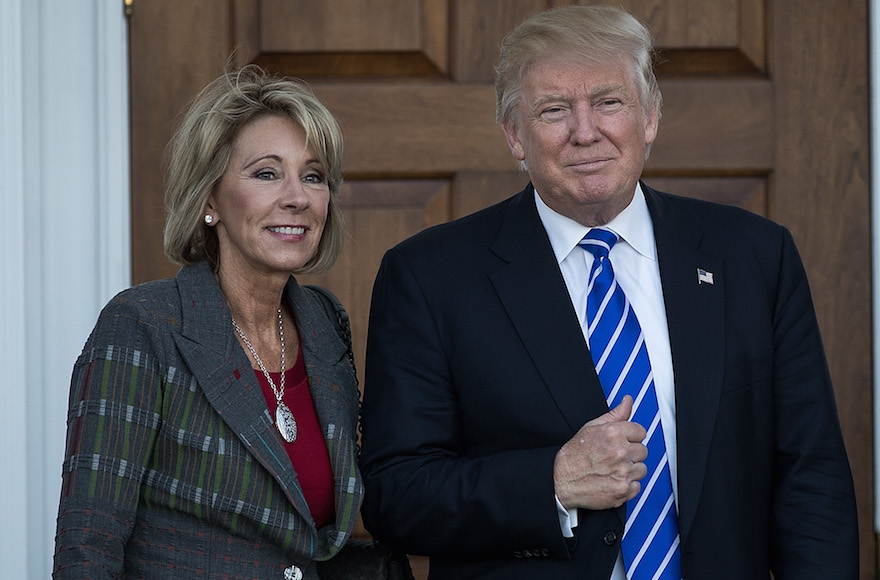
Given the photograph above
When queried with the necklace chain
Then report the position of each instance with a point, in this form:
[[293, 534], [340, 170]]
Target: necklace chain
[[284, 419], [278, 391]]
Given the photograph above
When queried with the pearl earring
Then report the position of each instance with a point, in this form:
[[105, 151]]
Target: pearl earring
[[209, 219]]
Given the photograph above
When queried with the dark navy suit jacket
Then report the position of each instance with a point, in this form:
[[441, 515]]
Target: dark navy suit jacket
[[477, 372]]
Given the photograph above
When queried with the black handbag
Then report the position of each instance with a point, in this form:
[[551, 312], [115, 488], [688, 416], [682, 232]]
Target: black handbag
[[365, 560]]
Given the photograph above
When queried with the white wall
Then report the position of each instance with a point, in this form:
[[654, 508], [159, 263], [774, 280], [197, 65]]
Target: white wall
[[64, 240]]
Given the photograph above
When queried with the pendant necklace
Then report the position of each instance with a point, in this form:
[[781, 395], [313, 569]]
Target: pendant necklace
[[284, 420]]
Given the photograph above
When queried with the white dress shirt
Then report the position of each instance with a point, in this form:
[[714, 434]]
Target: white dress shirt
[[634, 259]]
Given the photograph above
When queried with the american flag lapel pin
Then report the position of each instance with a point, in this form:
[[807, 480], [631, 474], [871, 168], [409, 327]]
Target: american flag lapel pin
[[704, 277]]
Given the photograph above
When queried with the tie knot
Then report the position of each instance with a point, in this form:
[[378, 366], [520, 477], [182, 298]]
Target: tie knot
[[599, 242]]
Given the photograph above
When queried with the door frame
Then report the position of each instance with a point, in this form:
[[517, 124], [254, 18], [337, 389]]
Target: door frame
[[874, 133]]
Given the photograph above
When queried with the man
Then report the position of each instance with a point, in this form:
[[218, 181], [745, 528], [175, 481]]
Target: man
[[594, 379]]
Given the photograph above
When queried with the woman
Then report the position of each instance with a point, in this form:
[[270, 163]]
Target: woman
[[212, 421]]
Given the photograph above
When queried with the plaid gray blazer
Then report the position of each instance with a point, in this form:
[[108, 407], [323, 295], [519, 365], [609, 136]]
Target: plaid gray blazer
[[173, 466]]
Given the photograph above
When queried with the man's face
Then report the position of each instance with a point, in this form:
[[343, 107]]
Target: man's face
[[583, 134]]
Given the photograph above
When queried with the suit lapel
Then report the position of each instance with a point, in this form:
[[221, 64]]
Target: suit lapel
[[223, 372], [533, 292], [695, 318]]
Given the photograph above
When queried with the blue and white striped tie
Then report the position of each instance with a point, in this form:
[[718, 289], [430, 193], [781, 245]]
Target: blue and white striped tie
[[650, 538]]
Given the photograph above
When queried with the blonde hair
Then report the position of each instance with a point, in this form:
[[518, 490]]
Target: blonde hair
[[592, 34], [200, 150]]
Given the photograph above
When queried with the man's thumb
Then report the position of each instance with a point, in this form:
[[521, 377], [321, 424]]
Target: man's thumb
[[619, 413]]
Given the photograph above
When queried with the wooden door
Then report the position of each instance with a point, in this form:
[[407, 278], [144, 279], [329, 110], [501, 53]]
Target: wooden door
[[766, 107]]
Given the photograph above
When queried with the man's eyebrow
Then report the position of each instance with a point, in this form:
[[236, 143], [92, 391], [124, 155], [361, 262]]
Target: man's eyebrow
[[543, 99], [604, 90], [596, 92]]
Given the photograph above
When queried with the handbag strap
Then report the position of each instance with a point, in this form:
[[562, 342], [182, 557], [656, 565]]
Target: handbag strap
[[336, 312]]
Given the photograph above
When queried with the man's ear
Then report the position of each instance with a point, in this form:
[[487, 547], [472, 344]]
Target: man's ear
[[512, 135], [652, 125]]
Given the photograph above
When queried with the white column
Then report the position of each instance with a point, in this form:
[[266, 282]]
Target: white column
[[13, 454], [64, 239]]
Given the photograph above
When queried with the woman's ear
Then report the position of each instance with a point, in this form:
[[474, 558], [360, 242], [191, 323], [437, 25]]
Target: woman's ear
[[210, 214]]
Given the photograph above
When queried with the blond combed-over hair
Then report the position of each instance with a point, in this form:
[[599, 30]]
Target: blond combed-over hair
[[589, 34]]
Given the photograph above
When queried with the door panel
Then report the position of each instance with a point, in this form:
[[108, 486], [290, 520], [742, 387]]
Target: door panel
[[765, 107], [345, 37]]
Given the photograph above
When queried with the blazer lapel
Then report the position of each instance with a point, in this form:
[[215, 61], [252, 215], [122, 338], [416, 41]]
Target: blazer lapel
[[695, 318], [533, 292], [223, 372]]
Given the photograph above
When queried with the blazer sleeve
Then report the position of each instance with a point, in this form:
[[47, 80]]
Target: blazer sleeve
[[814, 521], [426, 493], [112, 425]]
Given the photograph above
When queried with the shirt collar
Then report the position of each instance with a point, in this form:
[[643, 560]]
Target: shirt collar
[[633, 225]]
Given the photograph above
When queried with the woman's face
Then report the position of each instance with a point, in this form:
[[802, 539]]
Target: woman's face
[[271, 204]]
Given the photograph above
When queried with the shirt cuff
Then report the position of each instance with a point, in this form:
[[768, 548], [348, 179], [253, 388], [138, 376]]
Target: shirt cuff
[[568, 519]]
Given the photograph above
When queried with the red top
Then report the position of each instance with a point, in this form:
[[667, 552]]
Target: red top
[[308, 453]]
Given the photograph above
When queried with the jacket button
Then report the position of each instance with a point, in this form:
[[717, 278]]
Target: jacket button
[[610, 538], [293, 573]]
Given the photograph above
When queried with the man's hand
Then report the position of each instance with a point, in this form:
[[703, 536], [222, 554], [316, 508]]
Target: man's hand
[[600, 467]]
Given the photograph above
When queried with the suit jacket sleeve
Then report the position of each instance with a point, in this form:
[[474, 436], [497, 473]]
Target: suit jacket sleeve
[[814, 522], [428, 491], [764, 481]]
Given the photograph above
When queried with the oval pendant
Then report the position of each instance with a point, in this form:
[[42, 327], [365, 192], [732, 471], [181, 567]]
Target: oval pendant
[[285, 422]]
